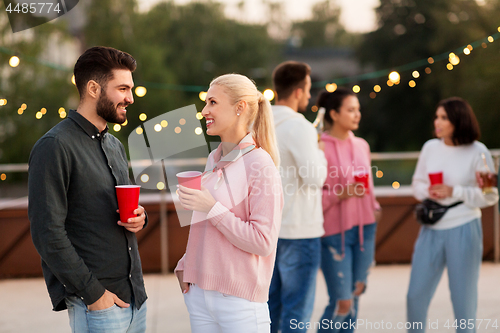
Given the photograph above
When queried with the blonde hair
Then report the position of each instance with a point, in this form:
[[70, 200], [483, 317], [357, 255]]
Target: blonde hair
[[260, 118]]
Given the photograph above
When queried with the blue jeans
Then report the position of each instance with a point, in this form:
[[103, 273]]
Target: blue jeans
[[111, 320], [342, 274], [293, 286], [459, 249]]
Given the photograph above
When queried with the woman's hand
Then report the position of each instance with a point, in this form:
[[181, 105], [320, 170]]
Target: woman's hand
[[197, 200], [184, 285], [352, 190], [440, 191], [378, 215]]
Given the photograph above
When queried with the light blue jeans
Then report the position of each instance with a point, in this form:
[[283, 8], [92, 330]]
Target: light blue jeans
[[342, 274], [458, 249], [111, 320], [293, 286]]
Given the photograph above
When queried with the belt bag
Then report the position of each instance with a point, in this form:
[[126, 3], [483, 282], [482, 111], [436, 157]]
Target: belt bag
[[428, 212]]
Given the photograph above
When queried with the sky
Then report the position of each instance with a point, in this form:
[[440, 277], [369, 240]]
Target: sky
[[357, 15]]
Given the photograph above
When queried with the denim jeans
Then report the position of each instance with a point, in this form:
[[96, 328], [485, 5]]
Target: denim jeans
[[111, 320], [293, 286], [342, 274], [458, 249], [213, 312]]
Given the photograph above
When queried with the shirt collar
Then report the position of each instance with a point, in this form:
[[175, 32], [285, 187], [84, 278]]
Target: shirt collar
[[87, 126]]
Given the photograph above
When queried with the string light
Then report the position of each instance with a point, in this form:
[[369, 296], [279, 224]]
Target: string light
[[117, 127], [177, 130], [396, 185], [394, 76], [138, 130], [430, 60], [182, 121], [199, 116], [164, 123], [269, 94], [490, 39], [43, 111], [202, 95], [3, 176], [144, 178], [449, 66], [314, 108], [466, 51], [428, 70], [158, 127], [125, 123], [331, 87], [379, 174], [412, 84], [3, 102], [73, 80], [14, 61], [160, 186], [356, 89], [377, 88], [198, 130], [39, 115], [143, 117], [415, 74], [140, 91], [373, 95]]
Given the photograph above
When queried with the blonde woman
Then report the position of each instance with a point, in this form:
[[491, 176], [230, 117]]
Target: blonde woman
[[227, 268]]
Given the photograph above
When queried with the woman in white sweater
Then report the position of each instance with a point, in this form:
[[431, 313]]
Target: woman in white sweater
[[455, 241]]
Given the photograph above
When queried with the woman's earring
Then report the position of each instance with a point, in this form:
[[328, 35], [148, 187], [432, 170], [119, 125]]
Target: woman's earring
[[237, 114]]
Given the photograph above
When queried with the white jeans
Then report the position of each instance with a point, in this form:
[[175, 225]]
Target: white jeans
[[213, 312]]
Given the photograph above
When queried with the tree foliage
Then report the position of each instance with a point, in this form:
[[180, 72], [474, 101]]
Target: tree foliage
[[400, 117]]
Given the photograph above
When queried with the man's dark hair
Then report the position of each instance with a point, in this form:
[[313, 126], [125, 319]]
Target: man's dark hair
[[459, 112], [98, 63], [289, 76]]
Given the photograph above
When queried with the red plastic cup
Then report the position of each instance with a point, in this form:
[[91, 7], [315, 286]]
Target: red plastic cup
[[191, 179], [128, 200], [362, 177], [436, 178]]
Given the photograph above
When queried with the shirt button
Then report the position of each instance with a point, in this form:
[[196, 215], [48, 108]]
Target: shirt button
[[93, 137], [98, 135], [130, 275], [110, 167], [130, 248], [81, 298]]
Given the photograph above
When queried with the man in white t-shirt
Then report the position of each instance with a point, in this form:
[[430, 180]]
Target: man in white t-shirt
[[303, 172]]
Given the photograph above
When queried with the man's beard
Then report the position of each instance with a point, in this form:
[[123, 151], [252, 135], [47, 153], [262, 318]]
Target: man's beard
[[107, 110]]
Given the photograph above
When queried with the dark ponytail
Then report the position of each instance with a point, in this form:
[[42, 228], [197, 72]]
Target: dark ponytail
[[332, 101]]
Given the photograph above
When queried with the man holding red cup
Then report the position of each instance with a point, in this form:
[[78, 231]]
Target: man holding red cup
[[90, 259]]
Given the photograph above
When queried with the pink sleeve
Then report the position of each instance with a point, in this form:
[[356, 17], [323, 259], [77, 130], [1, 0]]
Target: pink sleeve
[[180, 264], [329, 197], [258, 234]]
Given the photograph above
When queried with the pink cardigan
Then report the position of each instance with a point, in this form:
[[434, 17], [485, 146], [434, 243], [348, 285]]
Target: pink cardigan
[[232, 250], [344, 157]]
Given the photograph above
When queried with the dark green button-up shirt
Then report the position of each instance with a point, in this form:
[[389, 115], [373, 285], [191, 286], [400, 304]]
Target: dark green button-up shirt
[[73, 170]]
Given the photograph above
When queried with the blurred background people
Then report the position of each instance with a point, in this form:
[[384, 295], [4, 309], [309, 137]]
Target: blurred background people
[[303, 172], [349, 208], [455, 241]]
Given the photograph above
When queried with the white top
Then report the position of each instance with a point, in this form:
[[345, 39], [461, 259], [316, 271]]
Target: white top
[[459, 165], [303, 172]]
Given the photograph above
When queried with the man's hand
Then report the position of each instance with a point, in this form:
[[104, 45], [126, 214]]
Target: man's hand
[[135, 224], [107, 300], [184, 285]]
